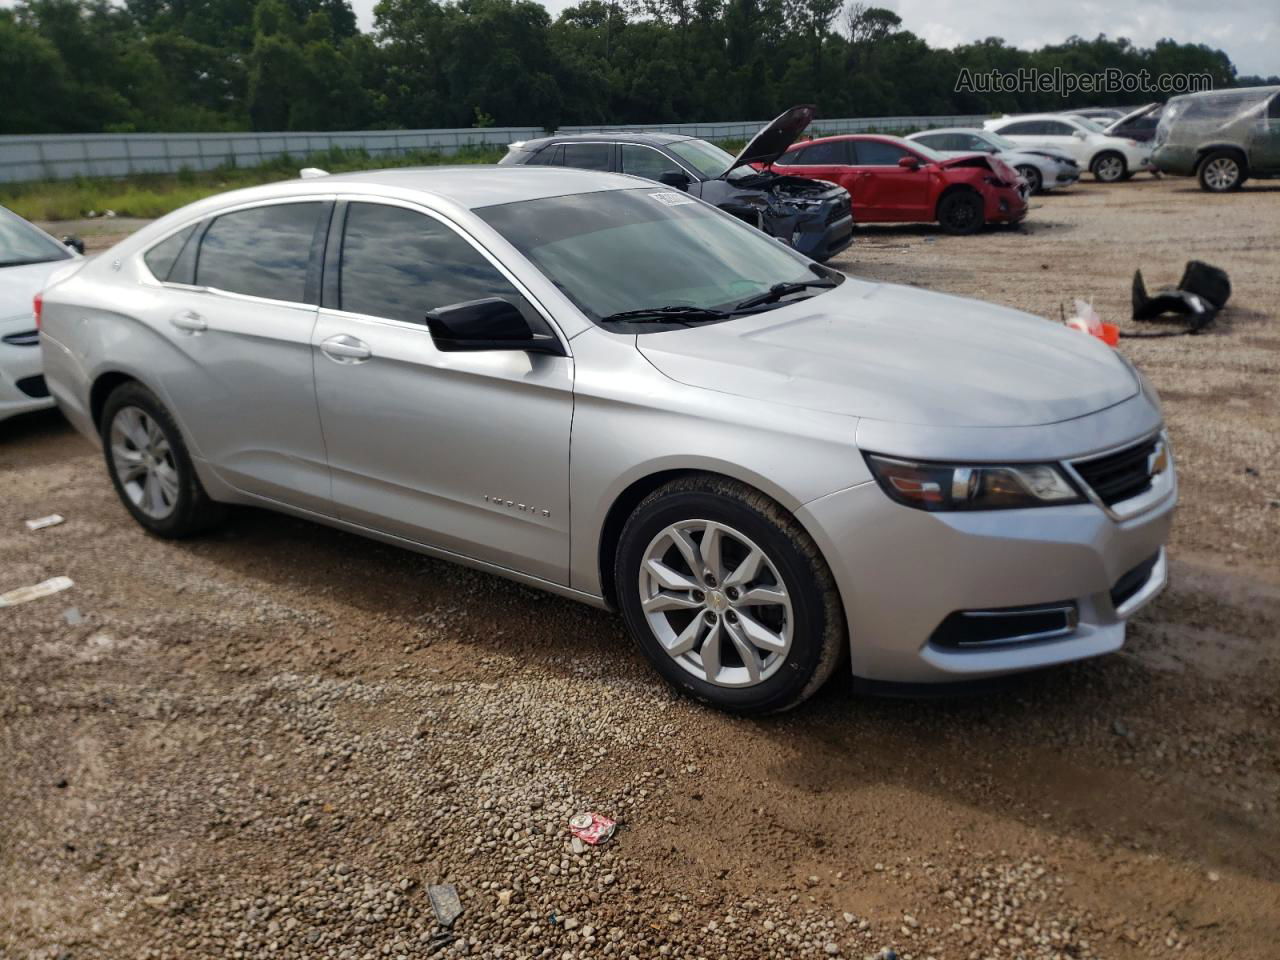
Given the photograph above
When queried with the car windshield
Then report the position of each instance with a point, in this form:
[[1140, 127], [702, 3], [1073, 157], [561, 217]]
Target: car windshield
[[22, 243], [707, 159], [1091, 125], [627, 250]]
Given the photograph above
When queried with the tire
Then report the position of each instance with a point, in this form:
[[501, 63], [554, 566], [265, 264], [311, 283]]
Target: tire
[[164, 495], [1035, 182], [960, 213], [1221, 171], [792, 640], [1109, 167]]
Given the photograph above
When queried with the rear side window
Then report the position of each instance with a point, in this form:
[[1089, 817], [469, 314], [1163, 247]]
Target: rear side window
[[877, 153], [939, 141], [1022, 128], [589, 156], [161, 258], [260, 252], [400, 264], [824, 154]]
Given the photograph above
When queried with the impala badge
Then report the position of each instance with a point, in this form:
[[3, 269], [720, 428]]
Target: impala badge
[[516, 505]]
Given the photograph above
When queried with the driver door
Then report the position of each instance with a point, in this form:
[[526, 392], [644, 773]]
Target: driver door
[[467, 452], [884, 191]]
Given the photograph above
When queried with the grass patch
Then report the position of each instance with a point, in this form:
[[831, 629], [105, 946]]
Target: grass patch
[[155, 194]]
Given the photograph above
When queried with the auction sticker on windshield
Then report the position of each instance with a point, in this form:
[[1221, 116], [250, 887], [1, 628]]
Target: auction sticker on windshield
[[672, 198]]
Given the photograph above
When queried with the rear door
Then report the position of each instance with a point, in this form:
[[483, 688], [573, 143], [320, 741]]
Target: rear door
[[240, 308], [882, 190], [828, 160], [1062, 135], [586, 156], [465, 452]]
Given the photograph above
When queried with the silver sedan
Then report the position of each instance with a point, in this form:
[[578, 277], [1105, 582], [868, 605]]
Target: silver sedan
[[1044, 168], [616, 392]]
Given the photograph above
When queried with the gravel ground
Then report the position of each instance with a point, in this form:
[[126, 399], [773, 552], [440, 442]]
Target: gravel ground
[[268, 742]]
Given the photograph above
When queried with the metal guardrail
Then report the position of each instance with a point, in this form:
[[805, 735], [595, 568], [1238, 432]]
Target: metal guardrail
[[63, 156]]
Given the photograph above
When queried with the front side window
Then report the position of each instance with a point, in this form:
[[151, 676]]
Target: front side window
[[588, 156], [22, 243], [634, 249], [1273, 111], [939, 141], [646, 162], [1023, 128], [400, 264], [1056, 128], [260, 252], [709, 160]]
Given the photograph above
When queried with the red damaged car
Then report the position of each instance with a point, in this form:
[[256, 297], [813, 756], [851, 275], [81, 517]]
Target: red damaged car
[[893, 180]]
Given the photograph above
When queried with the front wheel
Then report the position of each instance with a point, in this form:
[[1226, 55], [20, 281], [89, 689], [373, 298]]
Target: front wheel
[[1035, 182], [960, 212], [150, 466], [1221, 171], [727, 596], [1109, 168]]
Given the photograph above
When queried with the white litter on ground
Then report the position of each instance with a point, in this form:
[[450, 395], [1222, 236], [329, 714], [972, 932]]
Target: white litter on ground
[[35, 591], [39, 523]]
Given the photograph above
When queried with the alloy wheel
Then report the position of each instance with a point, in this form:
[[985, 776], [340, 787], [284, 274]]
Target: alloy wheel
[[1109, 169], [144, 462], [1221, 173], [716, 603]]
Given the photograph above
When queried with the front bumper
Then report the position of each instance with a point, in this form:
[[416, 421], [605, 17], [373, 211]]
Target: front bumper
[[822, 241], [903, 572], [22, 384], [1005, 205]]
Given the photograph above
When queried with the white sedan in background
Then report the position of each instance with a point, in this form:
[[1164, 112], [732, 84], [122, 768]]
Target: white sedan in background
[[1108, 158], [1042, 168], [28, 256]]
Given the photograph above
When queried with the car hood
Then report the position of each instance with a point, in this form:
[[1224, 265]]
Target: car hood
[[887, 352], [772, 142], [19, 284]]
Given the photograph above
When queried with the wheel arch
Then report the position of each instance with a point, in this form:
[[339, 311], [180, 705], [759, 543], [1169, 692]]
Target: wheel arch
[[1204, 151], [954, 188], [637, 488], [103, 385]]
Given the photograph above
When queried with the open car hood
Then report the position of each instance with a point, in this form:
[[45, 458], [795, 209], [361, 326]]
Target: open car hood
[[1131, 116], [772, 142]]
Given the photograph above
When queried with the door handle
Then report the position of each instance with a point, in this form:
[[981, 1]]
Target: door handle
[[190, 321], [346, 349]]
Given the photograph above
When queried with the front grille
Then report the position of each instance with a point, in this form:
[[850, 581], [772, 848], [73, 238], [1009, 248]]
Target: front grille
[[977, 628], [24, 338], [1133, 581], [837, 211], [1119, 476], [33, 386]]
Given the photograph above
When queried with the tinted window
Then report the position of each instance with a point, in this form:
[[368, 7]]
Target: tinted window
[[1022, 128], [790, 157], [968, 141], [939, 141], [400, 264], [589, 156], [1056, 128], [646, 162], [824, 154], [161, 258], [877, 153], [1273, 111], [261, 252]]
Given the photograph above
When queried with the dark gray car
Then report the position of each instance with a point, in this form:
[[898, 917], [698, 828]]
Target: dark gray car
[[813, 216], [1223, 137]]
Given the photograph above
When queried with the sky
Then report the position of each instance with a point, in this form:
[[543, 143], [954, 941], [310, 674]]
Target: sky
[[1248, 30]]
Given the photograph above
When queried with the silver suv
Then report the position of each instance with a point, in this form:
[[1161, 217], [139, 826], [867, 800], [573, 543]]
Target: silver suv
[[1222, 137], [612, 390]]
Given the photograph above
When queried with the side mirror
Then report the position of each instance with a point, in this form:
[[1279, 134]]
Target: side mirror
[[489, 324], [675, 178], [75, 243], [909, 163]]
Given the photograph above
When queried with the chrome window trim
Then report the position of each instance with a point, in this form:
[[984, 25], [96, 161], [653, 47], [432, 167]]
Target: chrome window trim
[[419, 207]]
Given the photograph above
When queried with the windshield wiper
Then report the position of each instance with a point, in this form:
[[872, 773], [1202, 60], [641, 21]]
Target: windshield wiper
[[780, 290], [676, 313]]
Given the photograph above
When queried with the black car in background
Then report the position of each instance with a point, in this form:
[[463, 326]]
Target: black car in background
[[813, 216], [1139, 124]]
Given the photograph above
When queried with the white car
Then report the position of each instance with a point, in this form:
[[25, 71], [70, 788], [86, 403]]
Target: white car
[[28, 256], [1043, 169], [1108, 158]]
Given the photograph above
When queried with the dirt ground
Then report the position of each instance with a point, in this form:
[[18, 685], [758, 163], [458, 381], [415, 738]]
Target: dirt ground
[[267, 742]]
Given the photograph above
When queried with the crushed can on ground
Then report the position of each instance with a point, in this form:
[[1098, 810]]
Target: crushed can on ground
[[592, 828]]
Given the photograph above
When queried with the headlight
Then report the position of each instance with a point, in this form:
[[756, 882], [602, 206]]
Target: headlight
[[941, 486]]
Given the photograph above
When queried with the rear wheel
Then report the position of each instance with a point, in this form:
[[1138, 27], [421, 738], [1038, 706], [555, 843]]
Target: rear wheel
[[1109, 167], [960, 212], [1221, 171], [727, 596], [150, 466], [1035, 182]]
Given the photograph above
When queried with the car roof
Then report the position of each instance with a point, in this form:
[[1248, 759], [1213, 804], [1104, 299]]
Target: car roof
[[1262, 91], [920, 133], [1034, 116], [856, 136], [483, 185], [618, 136]]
